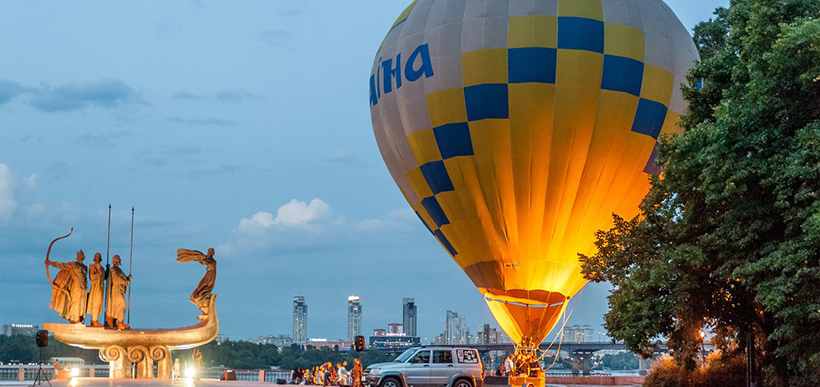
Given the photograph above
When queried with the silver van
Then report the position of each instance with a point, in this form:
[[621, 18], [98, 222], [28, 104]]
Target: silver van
[[429, 366]]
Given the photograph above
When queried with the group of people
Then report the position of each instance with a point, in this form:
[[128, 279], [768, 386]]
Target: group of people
[[519, 364], [73, 300], [328, 375]]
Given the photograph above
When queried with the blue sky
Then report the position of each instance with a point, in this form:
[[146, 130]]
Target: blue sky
[[238, 125]]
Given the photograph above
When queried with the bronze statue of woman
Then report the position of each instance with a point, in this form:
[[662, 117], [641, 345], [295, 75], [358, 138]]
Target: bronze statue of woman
[[201, 297]]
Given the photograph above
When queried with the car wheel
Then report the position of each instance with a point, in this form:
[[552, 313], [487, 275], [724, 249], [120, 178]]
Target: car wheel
[[390, 382], [463, 383]]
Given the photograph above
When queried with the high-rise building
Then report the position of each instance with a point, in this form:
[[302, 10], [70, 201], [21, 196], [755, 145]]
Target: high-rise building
[[20, 329], [354, 318], [456, 331], [578, 334], [409, 319], [300, 319], [486, 335]]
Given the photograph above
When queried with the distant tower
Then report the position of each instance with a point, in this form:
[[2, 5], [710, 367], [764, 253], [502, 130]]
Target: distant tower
[[409, 316], [456, 331], [300, 314], [354, 317]]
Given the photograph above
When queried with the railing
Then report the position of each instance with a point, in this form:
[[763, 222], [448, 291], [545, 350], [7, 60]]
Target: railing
[[29, 372]]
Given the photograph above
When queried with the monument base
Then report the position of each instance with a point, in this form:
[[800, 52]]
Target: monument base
[[141, 347]]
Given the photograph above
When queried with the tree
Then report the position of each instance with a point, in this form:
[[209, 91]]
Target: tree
[[729, 239]]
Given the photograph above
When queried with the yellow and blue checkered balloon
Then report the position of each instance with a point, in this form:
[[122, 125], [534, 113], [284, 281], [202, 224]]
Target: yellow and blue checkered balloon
[[515, 128]]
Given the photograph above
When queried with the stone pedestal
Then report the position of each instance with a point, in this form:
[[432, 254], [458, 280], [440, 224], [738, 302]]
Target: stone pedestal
[[120, 361]]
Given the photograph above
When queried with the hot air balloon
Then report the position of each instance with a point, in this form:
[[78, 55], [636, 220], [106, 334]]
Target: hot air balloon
[[516, 128]]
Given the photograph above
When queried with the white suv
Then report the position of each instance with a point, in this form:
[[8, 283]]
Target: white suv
[[429, 366]]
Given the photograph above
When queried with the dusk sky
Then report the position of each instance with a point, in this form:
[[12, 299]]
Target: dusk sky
[[241, 125]]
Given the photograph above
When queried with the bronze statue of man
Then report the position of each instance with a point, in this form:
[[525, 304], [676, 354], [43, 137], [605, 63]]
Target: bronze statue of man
[[70, 292], [201, 297], [119, 287], [96, 274]]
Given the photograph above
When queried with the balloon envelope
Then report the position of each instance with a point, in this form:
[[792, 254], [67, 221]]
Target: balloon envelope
[[515, 128]]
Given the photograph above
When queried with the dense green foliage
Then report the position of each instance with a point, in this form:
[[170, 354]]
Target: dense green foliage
[[247, 355], [729, 239], [230, 354]]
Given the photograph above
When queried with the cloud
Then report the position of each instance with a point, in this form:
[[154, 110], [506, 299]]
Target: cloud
[[298, 213], [296, 225], [107, 93], [31, 181], [396, 219], [238, 96], [184, 95], [229, 96], [213, 121], [9, 90], [8, 204], [105, 138]]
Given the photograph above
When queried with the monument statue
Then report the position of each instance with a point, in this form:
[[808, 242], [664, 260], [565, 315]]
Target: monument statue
[[201, 297], [119, 288], [69, 289], [96, 274], [131, 353]]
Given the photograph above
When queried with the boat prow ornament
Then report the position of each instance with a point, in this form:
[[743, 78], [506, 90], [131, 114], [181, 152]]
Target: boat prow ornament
[[118, 343]]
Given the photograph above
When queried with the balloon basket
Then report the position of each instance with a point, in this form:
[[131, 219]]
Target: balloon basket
[[528, 381]]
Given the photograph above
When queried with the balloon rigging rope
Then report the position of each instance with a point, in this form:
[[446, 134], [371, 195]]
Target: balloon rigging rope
[[560, 333]]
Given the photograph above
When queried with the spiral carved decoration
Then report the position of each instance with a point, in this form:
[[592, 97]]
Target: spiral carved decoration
[[159, 352], [137, 354], [112, 353]]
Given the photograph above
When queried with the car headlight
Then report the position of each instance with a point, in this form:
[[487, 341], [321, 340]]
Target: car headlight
[[374, 371]]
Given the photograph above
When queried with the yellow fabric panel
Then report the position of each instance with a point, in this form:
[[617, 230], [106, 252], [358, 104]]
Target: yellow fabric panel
[[405, 14], [484, 66], [590, 9], [493, 163], [657, 84], [574, 121], [463, 173], [615, 114], [670, 125], [533, 31], [625, 41], [419, 184], [447, 107], [424, 146], [531, 112]]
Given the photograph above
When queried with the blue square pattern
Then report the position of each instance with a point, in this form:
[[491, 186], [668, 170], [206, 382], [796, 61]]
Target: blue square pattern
[[622, 74], [437, 178], [651, 167], [454, 140], [434, 210], [445, 242], [649, 118], [423, 222], [532, 64], [487, 101], [577, 33]]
